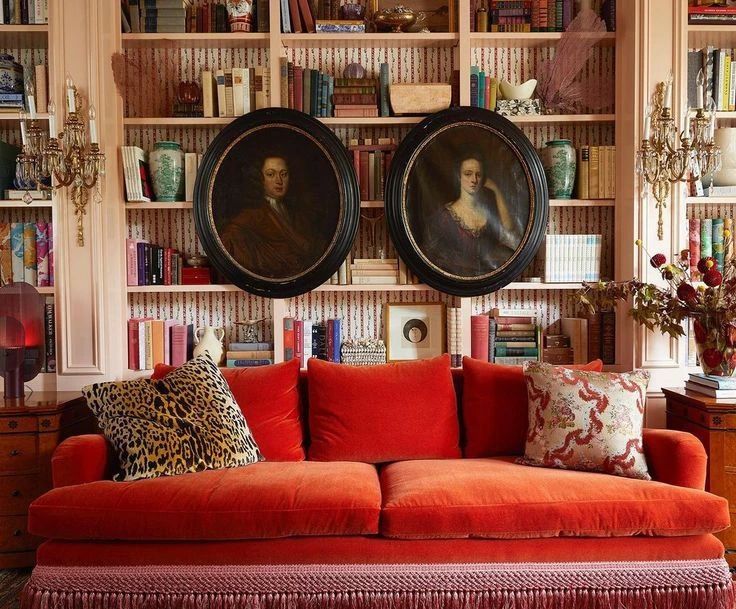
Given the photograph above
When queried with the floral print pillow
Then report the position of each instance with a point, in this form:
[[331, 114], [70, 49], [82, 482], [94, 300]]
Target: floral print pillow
[[589, 421]]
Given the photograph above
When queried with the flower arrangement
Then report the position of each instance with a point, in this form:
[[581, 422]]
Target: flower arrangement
[[710, 304]]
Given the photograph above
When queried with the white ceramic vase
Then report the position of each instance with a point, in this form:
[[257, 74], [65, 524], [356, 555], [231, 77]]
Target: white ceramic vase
[[208, 339], [725, 139]]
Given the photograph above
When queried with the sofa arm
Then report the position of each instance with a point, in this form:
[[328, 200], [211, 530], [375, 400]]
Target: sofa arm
[[675, 457], [81, 459]]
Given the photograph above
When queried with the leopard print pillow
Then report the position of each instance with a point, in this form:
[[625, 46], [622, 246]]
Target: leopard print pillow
[[186, 422]]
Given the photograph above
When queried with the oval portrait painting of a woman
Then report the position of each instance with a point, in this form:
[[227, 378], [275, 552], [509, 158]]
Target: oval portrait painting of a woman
[[277, 204], [467, 201]]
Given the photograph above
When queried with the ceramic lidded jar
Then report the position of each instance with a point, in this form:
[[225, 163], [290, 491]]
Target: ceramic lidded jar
[[11, 74], [166, 163], [558, 159]]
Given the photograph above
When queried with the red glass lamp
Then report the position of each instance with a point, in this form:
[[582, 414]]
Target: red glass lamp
[[21, 336]]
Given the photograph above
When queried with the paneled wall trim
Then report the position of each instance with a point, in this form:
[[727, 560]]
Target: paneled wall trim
[[93, 301]]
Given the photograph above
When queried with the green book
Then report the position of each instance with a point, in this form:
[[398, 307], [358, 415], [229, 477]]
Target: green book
[[706, 237], [718, 242]]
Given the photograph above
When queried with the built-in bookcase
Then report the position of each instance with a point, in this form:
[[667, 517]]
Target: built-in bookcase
[[411, 58], [29, 45]]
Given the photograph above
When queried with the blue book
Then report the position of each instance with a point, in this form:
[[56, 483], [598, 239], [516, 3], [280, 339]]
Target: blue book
[[474, 86], [481, 89], [384, 78], [718, 242], [336, 340], [715, 382], [250, 346]]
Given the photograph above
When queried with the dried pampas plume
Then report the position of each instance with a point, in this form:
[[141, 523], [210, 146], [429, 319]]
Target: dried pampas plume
[[138, 78], [558, 88]]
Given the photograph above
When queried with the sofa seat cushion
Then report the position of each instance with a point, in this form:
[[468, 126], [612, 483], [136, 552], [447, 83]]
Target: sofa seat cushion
[[264, 500], [496, 498]]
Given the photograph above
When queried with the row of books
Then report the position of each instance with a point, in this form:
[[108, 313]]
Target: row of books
[[455, 336], [160, 15], [27, 253], [535, 15], [158, 341], [505, 336], [231, 92], [304, 338], [138, 178], [572, 258], [483, 89], [24, 12], [248, 355], [720, 77], [711, 14], [705, 239], [150, 264], [371, 163], [297, 17], [595, 173]]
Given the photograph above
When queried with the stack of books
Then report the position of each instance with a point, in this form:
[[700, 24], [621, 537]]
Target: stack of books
[[718, 387], [24, 12], [304, 338], [158, 341], [572, 258], [137, 175], [375, 271], [711, 13], [455, 336], [530, 15], [371, 163], [506, 336], [557, 350], [248, 355], [355, 97], [705, 239]]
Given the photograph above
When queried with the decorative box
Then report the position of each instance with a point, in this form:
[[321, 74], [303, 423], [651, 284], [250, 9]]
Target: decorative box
[[196, 275], [419, 98], [363, 352], [518, 107]]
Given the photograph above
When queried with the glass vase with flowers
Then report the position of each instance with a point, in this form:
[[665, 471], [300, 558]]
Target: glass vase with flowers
[[704, 292]]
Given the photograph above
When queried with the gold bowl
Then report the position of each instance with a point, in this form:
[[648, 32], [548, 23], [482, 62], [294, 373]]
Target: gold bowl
[[395, 18]]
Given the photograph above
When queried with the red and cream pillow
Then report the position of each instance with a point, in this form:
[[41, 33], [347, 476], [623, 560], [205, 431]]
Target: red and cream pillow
[[590, 421]]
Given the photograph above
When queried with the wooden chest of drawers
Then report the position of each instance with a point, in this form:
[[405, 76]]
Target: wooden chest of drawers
[[714, 423], [29, 432]]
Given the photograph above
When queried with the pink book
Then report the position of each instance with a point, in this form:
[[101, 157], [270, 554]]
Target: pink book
[[168, 325], [131, 261], [694, 240], [479, 325], [51, 254], [178, 345]]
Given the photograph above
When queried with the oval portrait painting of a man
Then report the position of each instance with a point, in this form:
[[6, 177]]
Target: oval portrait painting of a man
[[277, 207], [466, 206]]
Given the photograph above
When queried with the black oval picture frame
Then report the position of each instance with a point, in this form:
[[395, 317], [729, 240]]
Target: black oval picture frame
[[276, 203], [466, 201]]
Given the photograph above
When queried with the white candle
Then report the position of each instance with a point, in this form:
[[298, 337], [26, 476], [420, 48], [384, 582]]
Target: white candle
[[71, 104], [52, 119], [32, 107], [92, 125], [700, 88], [23, 134], [668, 94], [685, 122], [647, 122]]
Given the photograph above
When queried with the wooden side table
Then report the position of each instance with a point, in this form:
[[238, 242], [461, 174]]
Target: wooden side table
[[714, 424], [30, 430]]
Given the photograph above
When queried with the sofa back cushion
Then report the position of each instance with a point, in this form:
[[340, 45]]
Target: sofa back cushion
[[495, 407], [268, 396], [389, 412]]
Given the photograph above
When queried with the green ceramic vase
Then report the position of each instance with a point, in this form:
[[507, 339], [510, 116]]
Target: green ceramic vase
[[558, 159], [166, 163]]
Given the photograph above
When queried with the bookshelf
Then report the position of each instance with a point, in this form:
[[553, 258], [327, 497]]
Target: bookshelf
[[422, 57]]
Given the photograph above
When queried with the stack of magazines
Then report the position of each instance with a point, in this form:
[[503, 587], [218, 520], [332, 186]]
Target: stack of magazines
[[719, 387]]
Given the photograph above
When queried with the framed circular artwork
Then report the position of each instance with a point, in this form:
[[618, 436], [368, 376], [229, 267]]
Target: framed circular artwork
[[276, 203], [466, 201]]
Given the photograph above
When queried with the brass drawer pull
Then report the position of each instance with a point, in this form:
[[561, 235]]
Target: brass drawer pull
[[15, 452], [17, 533], [15, 493]]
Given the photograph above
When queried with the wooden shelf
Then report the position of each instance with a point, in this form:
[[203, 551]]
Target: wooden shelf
[[711, 200], [171, 121], [24, 36], [582, 202], [16, 204], [359, 40], [48, 290], [563, 118], [15, 116], [209, 287], [526, 39], [228, 40], [528, 285], [716, 35], [189, 205]]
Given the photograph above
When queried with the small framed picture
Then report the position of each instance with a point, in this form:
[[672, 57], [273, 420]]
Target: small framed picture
[[414, 330]]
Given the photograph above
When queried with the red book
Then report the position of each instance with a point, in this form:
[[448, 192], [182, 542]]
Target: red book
[[712, 10], [288, 338], [291, 80], [168, 253], [356, 164], [306, 15], [479, 325], [133, 344], [299, 341], [131, 261], [296, 23], [178, 345], [298, 89], [363, 175]]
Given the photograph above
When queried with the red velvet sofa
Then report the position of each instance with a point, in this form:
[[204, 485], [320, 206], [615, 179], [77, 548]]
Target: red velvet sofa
[[334, 525]]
